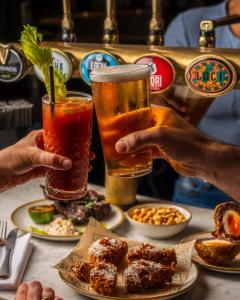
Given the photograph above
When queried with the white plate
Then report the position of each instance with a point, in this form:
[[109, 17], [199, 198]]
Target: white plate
[[192, 277], [21, 219], [234, 269]]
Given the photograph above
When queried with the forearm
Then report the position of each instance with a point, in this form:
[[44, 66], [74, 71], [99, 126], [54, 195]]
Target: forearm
[[6, 178], [221, 167]]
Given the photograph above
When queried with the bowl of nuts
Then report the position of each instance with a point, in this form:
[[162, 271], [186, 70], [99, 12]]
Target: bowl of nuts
[[158, 220]]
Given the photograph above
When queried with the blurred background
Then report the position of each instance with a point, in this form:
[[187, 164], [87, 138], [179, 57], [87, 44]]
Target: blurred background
[[133, 18]]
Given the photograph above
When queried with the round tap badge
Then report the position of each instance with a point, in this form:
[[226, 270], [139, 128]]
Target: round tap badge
[[13, 66], [211, 76], [95, 60], [61, 61], [162, 72]]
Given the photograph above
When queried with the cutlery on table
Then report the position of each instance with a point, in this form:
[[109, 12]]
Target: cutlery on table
[[5, 271], [3, 232]]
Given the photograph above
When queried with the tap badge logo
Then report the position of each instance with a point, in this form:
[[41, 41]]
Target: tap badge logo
[[211, 76], [162, 72], [94, 61], [61, 61], [12, 67]]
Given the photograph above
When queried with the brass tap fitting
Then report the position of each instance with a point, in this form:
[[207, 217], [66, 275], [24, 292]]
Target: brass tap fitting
[[68, 34], [156, 26], [110, 32], [207, 29]]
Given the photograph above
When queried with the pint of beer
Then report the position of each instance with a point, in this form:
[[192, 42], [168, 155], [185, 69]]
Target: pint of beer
[[121, 97], [120, 191]]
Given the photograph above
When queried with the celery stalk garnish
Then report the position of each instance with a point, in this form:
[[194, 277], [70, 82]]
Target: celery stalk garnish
[[42, 58]]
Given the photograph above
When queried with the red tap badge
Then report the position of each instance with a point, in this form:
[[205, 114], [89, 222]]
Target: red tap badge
[[162, 72]]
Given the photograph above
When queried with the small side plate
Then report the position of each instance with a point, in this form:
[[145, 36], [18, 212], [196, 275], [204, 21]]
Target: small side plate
[[21, 219]]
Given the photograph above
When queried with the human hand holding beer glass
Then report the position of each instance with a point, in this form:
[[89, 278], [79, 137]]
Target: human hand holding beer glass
[[171, 138]]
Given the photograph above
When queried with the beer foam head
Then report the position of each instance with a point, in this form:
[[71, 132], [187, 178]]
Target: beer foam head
[[119, 73]]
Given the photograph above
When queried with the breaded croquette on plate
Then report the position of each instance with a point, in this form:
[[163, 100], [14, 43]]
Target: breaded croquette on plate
[[108, 250], [103, 278], [149, 252], [143, 275], [82, 271]]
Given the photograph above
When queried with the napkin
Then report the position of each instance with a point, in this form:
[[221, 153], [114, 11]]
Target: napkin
[[20, 258]]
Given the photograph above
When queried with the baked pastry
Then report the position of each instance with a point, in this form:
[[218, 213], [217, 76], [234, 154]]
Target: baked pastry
[[218, 252], [149, 252], [103, 278], [143, 275], [227, 220], [108, 250], [82, 270]]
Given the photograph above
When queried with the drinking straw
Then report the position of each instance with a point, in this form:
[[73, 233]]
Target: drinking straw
[[52, 95]]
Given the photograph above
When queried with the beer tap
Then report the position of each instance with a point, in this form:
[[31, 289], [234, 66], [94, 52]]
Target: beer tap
[[207, 30], [156, 27], [68, 34], [208, 71], [212, 74], [62, 60], [110, 33]]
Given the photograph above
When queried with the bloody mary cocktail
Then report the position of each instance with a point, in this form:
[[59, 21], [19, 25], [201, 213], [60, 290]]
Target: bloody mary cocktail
[[67, 125]]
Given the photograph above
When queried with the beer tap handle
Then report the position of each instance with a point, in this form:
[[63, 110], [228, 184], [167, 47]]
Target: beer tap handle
[[68, 34], [207, 29], [156, 26], [227, 20], [110, 32]]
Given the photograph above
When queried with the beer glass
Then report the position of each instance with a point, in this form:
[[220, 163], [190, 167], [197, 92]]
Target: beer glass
[[121, 97], [67, 125], [114, 188]]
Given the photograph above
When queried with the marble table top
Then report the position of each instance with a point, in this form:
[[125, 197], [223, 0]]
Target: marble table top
[[209, 286]]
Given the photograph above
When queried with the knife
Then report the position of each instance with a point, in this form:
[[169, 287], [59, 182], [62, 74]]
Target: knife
[[5, 271]]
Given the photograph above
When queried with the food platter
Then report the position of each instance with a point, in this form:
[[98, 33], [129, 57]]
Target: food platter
[[234, 268], [21, 219], [78, 269]]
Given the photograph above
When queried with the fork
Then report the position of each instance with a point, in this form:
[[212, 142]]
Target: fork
[[3, 232]]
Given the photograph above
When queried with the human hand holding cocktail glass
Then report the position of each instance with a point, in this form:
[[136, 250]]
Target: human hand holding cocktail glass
[[67, 122]]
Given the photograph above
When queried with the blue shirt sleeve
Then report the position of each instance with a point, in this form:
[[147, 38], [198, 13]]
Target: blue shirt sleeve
[[185, 28], [176, 35]]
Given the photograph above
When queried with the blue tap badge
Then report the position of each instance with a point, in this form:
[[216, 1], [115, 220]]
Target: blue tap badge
[[93, 61]]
